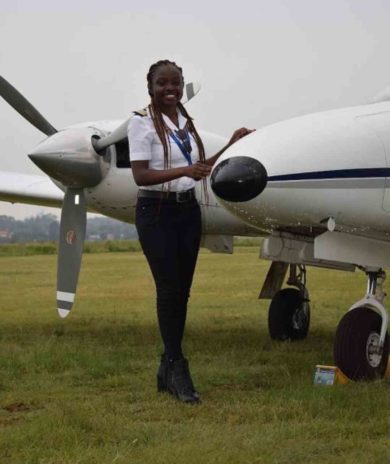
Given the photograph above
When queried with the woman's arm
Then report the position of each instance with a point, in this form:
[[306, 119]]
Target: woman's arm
[[238, 134], [144, 176]]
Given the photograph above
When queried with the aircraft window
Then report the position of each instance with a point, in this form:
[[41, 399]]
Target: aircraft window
[[122, 154]]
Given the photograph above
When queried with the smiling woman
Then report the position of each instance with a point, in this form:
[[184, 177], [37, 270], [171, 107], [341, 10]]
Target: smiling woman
[[167, 159]]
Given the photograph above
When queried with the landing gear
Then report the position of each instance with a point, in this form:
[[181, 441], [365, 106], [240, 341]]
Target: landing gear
[[361, 347], [289, 312]]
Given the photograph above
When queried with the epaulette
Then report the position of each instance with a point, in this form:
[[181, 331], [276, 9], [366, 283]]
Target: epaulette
[[142, 112]]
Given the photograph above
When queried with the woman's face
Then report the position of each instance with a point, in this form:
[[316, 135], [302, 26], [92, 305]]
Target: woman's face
[[167, 86]]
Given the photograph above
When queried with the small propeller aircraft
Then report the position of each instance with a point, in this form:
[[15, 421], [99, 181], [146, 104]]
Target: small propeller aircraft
[[317, 187]]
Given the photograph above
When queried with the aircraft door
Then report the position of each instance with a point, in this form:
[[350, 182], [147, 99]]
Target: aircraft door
[[379, 125]]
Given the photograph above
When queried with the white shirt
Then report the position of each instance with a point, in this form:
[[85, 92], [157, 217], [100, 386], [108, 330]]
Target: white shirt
[[145, 145]]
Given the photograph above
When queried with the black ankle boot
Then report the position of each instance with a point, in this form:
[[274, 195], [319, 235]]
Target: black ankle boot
[[180, 383], [162, 374]]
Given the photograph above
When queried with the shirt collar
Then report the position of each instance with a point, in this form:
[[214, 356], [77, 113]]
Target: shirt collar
[[182, 121]]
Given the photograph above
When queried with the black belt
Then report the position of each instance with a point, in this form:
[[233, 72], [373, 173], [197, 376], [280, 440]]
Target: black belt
[[178, 197]]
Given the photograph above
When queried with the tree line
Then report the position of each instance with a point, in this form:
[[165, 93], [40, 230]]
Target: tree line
[[45, 227]]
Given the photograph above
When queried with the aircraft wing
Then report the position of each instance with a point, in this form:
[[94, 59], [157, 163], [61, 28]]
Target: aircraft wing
[[30, 189]]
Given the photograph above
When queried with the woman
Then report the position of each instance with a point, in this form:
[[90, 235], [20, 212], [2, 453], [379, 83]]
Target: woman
[[167, 159]]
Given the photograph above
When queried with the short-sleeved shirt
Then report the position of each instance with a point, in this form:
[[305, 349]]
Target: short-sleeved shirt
[[145, 145]]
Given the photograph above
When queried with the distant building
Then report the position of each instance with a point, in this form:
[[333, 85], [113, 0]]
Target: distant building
[[5, 234]]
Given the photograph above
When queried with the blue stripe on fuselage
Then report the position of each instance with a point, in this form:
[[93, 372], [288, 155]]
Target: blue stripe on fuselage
[[363, 173]]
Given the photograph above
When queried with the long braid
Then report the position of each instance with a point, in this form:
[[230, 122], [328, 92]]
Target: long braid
[[155, 112], [193, 132], [199, 143], [160, 126], [161, 130]]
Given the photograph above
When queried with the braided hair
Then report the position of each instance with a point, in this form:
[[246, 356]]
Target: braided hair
[[158, 120]]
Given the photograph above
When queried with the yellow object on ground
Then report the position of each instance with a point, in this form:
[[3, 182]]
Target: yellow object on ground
[[329, 375]]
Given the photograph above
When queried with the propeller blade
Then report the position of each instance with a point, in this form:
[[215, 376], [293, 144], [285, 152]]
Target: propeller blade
[[118, 134], [25, 108], [189, 91], [71, 241]]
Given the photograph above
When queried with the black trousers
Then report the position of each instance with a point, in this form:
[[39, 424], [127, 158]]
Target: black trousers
[[169, 233]]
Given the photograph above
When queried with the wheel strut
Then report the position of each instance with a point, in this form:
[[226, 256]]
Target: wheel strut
[[297, 278], [374, 300]]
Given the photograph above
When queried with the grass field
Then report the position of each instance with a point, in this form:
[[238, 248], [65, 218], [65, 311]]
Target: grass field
[[83, 390]]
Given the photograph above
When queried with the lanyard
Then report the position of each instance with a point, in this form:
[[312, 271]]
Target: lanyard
[[186, 154]]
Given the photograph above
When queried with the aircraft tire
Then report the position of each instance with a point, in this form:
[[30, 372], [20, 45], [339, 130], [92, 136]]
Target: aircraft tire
[[357, 331], [287, 319]]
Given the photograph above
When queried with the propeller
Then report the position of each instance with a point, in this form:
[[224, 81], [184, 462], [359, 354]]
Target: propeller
[[75, 158], [70, 249], [24, 107], [67, 156]]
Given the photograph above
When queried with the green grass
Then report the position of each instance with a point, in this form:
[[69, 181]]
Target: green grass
[[82, 390], [101, 246], [50, 248]]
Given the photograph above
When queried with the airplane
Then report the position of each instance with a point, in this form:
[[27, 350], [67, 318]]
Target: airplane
[[317, 187]]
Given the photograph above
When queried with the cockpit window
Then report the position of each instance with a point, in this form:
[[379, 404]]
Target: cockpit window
[[123, 153]]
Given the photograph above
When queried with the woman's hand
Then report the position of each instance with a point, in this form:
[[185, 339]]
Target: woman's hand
[[198, 170], [238, 134]]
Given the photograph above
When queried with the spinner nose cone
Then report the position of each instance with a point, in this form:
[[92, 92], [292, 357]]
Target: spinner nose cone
[[47, 162], [70, 169], [69, 157], [238, 179]]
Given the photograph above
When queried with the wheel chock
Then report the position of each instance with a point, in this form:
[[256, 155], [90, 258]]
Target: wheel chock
[[329, 375]]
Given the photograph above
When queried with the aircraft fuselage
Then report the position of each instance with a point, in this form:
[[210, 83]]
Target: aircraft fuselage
[[334, 164]]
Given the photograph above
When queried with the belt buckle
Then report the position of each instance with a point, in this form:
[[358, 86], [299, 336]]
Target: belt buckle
[[182, 197]]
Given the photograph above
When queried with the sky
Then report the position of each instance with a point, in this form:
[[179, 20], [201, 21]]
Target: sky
[[259, 61]]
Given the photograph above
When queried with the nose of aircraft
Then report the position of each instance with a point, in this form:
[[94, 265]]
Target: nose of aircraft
[[237, 179], [69, 157]]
